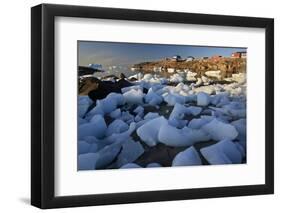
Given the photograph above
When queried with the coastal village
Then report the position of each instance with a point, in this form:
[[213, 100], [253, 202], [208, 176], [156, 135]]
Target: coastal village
[[215, 67]]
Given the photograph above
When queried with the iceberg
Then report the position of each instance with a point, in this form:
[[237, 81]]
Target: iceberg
[[96, 127], [131, 150], [81, 121], [148, 132], [193, 110], [197, 123], [178, 112], [107, 155], [187, 157], [117, 126], [107, 105], [223, 152], [87, 161], [172, 99], [152, 98], [138, 110], [83, 147], [240, 126], [121, 137], [116, 113], [127, 117], [203, 99], [134, 96], [219, 130], [151, 115], [83, 104], [173, 136]]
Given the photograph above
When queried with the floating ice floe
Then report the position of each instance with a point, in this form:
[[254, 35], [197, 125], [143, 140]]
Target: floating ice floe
[[131, 150], [187, 157], [223, 152], [203, 99], [173, 136], [148, 132], [96, 127], [87, 161], [219, 130]]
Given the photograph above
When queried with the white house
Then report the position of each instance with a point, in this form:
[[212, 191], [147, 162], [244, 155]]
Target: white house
[[176, 58]]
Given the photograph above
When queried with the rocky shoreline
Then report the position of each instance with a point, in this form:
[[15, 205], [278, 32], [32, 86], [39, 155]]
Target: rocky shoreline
[[166, 67]]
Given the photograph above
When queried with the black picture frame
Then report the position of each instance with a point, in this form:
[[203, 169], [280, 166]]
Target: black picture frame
[[43, 102]]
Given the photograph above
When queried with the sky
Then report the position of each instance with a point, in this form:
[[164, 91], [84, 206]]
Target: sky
[[116, 53]]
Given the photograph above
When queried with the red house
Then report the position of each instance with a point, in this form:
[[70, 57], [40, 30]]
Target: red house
[[239, 55]]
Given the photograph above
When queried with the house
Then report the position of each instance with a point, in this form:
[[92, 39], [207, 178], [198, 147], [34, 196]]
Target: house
[[189, 58], [176, 58], [239, 55]]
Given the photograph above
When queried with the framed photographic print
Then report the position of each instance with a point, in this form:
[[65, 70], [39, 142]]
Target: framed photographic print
[[139, 106]]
